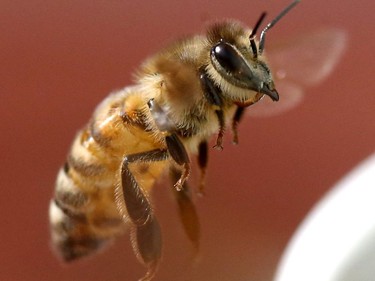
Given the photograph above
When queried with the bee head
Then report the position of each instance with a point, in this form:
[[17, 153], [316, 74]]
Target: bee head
[[250, 74], [237, 64]]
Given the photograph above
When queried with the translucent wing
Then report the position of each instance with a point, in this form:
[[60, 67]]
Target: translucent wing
[[303, 61]]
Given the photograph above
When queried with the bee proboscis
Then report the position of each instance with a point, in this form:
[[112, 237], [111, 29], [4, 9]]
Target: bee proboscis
[[183, 95]]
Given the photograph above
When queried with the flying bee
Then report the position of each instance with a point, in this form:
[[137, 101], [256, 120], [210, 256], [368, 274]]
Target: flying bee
[[182, 96]]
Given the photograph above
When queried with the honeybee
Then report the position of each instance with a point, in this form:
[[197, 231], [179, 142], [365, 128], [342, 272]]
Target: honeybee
[[182, 96]]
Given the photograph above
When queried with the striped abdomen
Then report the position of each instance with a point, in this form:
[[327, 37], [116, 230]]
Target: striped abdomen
[[84, 214]]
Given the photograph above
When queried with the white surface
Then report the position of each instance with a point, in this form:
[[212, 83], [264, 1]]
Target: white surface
[[336, 241]]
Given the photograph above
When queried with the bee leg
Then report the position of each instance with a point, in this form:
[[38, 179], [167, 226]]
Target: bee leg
[[178, 153], [145, 231], [220, 135], [187, 212], [147, 243], [235, 121], [175, 147], [239, 114], [213, 95], [136, 202], [202, 163]]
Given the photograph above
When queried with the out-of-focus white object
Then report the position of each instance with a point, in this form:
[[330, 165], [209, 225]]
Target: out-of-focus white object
[[336, 241]]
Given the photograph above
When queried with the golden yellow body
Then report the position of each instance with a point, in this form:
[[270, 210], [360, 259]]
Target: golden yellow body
[[182, 96], [87, 183]]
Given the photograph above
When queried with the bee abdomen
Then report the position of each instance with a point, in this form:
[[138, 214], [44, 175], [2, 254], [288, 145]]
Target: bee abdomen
[[82, 218], [71, 234], [68, 194], [85, 169]]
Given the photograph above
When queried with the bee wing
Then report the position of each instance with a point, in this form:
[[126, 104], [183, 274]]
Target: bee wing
[[291, 94], [303, 61]]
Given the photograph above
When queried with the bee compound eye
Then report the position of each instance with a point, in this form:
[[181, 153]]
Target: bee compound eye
[[227, 57]]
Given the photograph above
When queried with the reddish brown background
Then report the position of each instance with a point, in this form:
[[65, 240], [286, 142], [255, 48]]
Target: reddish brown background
[[58, 59]]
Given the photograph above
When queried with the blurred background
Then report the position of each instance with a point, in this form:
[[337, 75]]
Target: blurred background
[[58, 59]]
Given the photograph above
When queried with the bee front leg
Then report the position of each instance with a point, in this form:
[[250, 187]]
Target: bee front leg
[[235, 121], [212, 94], [241, 106]]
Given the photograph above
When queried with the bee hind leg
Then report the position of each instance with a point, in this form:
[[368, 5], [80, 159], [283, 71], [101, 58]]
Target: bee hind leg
[[145, 230], [147, 242]]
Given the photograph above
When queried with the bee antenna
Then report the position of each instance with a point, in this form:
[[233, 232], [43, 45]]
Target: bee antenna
[[254, 32], [273, 22]]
